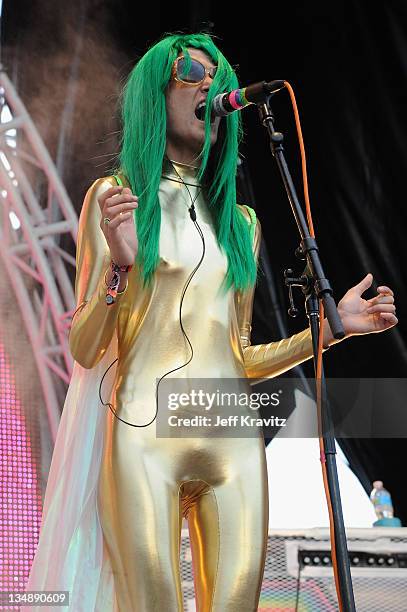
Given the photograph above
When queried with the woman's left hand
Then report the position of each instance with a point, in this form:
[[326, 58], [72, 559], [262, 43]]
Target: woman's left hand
[[360, 316]]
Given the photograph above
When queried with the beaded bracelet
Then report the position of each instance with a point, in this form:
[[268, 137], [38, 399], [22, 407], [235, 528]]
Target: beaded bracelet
[[112, 287]]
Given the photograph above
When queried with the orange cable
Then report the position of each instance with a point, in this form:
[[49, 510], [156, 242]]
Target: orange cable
[[303, 158], [319, 352]]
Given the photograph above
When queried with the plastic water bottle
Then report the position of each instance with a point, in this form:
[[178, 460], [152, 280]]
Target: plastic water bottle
[[381, 500]]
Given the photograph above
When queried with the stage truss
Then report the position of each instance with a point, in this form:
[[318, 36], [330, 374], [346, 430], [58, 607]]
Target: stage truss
[[37, 222]]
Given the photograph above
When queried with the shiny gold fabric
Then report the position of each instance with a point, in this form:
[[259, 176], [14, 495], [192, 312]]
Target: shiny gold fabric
[[148, 483]]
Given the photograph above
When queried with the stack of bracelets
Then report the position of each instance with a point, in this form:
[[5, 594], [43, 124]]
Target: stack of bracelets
[[113, 285]]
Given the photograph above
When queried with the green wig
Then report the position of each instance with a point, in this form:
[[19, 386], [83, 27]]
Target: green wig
[[143, 149]]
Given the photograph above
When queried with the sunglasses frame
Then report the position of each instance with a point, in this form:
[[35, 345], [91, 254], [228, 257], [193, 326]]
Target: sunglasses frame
[[208, 71]]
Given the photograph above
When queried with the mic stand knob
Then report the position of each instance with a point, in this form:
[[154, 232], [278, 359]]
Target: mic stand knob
[[299, 253]]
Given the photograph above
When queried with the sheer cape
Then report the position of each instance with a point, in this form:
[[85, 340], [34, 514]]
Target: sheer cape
[[70, 554]]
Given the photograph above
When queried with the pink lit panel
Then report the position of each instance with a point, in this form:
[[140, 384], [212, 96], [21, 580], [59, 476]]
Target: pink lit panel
[[20, 504]]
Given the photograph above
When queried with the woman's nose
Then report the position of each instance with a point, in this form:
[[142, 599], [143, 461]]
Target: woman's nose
[[206, 83]]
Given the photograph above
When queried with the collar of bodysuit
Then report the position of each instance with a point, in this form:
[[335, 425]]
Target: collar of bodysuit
[[180, 173]]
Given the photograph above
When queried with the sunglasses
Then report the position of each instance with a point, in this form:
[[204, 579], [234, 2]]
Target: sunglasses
[[195, 75]]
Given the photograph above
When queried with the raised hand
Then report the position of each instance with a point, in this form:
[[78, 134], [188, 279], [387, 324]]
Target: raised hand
[[117, 205], [360, 316]]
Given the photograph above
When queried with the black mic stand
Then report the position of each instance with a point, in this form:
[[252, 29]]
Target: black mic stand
[[315, 285]]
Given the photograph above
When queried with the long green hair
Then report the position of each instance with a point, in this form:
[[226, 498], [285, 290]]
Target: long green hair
[[143, 148]]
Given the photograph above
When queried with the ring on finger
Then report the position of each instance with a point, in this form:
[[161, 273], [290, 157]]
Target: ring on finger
[[106, 220]]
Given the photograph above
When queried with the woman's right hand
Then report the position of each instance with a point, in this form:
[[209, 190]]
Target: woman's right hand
[[118, 204]]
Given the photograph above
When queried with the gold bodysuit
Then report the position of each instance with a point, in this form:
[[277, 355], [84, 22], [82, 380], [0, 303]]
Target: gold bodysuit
[[147, 484]]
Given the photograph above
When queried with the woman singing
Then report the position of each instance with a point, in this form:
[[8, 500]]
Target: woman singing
[[166, 269]]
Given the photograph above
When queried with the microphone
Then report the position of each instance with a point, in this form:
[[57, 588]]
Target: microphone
[[226, 103]]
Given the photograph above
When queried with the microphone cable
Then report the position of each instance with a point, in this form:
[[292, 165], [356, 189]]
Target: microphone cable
[[192, 214]]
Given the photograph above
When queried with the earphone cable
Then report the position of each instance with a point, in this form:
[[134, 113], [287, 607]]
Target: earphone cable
[[192, 214]]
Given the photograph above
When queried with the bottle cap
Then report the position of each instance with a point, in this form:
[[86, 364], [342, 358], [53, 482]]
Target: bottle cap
[[377, 484]]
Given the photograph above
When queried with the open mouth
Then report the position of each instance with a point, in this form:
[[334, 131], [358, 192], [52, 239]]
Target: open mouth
[[200, 112]]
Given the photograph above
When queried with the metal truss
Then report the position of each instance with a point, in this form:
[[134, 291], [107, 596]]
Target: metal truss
[[36, 217]]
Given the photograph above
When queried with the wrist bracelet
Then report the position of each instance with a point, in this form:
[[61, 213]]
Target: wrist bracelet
[[118, 292], [112, 287]]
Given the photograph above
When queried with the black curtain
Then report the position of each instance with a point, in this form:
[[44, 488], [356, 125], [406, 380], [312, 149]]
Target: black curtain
[[347, 63]]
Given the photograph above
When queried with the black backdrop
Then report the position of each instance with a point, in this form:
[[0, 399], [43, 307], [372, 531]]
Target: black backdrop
[[347, 63]]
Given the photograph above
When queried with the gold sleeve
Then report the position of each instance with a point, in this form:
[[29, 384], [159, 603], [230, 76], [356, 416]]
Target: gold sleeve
[[273, 358], [94, 321]]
